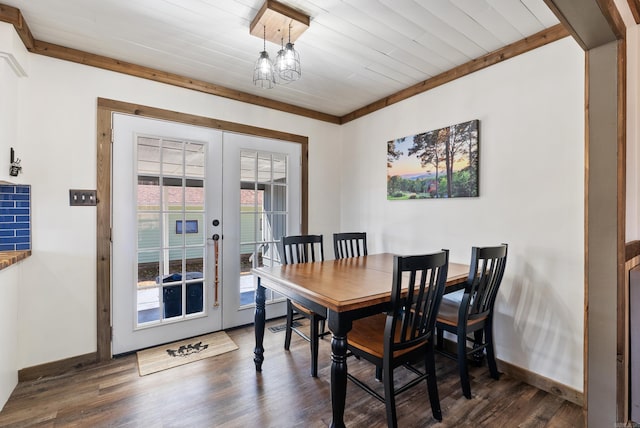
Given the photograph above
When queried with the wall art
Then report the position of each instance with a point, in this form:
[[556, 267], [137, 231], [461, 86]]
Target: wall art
[[442, 163]]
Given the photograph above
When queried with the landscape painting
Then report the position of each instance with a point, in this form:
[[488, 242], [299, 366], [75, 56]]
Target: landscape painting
[[436, 164]]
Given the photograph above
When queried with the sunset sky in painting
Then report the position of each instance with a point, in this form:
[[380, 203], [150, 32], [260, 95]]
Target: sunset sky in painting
[[410, 165], [406, 164]]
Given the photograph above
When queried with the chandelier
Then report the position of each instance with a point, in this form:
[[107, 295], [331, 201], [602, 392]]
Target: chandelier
[[274, 18]]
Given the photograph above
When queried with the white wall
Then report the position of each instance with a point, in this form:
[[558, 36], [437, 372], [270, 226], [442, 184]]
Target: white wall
[[12, 66], [531, 112], [8, 331], [58, 129]]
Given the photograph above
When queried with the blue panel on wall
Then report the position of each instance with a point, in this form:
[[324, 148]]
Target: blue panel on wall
[[15, 217]]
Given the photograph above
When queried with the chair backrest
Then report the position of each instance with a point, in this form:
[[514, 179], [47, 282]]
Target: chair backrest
[[349, 244], [301, 249], [485, 275], [412, 318]]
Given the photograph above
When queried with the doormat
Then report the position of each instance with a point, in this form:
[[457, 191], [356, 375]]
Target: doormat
[[186, 351], [282, 327]]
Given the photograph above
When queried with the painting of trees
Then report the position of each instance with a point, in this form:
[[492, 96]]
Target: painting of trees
[[442, 163]]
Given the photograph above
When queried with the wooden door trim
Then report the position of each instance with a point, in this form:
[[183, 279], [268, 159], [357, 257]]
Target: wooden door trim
[[105, 110]]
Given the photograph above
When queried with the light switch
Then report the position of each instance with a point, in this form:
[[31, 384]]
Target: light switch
[[82, 197]]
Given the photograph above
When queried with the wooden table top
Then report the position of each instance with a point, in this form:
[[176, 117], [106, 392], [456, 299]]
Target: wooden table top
[[346, 284]]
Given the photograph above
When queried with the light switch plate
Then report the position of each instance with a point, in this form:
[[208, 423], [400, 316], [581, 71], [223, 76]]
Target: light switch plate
[[82, 198]]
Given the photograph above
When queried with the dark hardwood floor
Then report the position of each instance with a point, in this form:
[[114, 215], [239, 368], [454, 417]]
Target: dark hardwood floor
[[226, 391]]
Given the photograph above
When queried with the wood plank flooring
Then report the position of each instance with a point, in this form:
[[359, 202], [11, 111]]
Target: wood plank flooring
[[226, 391]]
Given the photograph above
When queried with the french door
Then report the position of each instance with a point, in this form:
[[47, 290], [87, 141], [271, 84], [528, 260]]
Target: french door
[[265, 199], [186, 228]]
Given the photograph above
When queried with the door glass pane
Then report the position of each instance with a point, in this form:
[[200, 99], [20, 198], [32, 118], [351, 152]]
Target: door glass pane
[[194, 160], [248, 166], [279, 198], [263, 215], [194, 195], [148, 193], [149, 232], [148, 268], [194, 266], [148, 152], [148, 308], [173, 158], [279, 168], [171, 230]]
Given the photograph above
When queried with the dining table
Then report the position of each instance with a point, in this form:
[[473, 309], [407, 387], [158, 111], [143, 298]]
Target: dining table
[[347, 289]]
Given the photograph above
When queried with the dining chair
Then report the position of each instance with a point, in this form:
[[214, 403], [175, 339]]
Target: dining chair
[[473, 313], [349, 244], [303, 249], [405, 334]]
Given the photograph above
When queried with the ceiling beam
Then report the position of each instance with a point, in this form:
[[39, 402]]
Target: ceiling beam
[[592, 23], [611, 13], [634, 5]]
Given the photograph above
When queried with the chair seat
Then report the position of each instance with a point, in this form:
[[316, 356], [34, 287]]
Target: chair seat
[[405, 335], [476, 306], [303, 310], [367, 335], [303, 249], [448, 313]]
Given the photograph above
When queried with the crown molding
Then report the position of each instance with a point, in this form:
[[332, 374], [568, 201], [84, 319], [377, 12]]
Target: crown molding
[[14, 16]]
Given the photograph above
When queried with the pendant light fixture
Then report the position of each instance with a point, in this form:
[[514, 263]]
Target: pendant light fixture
[[263, 72], [276, 18], [288, 63]]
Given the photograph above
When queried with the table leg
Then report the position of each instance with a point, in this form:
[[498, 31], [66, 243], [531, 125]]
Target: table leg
[[339, 326], [259, 321]]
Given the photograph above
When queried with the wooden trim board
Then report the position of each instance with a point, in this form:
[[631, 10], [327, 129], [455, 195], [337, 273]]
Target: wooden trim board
[[56, 368], [13, 16], [527, 44], [551, 386], [106, 108]]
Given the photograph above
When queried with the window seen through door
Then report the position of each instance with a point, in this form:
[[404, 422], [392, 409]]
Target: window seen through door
[[170, 245], [263, 213]]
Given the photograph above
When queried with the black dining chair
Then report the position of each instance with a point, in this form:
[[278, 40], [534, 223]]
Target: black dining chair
[[471, 318], [303, 249], [349, 244], [405, 334]]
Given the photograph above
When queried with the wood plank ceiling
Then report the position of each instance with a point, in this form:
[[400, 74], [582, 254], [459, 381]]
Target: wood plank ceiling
[[354, 53]]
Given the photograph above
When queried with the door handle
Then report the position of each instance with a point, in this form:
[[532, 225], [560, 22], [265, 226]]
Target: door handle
[[216, 281]]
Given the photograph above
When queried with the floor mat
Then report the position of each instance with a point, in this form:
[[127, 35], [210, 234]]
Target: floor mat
[[186, 351]]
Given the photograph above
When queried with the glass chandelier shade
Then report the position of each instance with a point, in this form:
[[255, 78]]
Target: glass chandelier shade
[[288, 64], [263, 73], [285, 69]]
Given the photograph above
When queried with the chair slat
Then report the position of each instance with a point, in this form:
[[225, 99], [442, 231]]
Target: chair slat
[[303, 249], [349, 244], [408, 330], [475, 311]]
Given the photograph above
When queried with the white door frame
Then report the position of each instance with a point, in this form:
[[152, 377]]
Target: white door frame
[[105, 110]]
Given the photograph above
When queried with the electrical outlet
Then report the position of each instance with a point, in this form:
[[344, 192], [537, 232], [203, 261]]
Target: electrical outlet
[[82, 198]]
